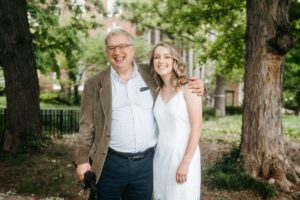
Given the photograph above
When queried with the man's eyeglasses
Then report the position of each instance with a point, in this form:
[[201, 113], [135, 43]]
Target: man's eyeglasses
[[121, 47]]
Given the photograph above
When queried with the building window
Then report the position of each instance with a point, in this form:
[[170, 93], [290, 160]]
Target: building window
[[229, 100]]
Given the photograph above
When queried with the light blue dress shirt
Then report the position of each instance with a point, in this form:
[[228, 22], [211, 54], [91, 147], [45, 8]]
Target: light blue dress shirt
[[133, 127]]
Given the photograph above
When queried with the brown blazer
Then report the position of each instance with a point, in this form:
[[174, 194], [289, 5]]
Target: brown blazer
[[95, 117]]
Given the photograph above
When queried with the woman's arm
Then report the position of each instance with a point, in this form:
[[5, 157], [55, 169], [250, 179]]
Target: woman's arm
[[194, 108]]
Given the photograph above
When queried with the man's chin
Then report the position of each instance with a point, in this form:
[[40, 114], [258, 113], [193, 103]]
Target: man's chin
[[120, 65]]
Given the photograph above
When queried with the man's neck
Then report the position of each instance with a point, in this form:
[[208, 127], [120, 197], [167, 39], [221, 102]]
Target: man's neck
[[125, 73]]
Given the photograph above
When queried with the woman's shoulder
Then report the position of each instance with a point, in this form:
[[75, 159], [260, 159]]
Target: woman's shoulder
[[188, 94], [186, 90]]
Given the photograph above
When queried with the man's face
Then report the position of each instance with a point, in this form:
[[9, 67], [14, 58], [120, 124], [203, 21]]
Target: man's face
[[120, 51]]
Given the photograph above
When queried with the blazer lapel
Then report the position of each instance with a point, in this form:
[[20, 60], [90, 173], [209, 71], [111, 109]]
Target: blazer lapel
[[106, 97]]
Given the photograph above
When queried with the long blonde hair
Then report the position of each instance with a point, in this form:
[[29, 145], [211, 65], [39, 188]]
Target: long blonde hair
[[178, 78]]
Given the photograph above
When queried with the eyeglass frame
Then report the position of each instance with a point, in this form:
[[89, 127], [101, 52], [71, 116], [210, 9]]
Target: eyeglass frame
[[121, 47]]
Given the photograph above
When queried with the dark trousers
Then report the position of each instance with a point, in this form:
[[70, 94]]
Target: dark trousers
[[126, 179]]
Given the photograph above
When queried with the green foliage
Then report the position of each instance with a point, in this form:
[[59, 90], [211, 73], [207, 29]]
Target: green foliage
[[229, 174], [50, 36], [58, 38], [220, 197], [234, 110], [142, 49], [94, 56], [2, 101], [55, 99], [207, 112], [215, 29], [30, 141], [291, 81], [48, 99]]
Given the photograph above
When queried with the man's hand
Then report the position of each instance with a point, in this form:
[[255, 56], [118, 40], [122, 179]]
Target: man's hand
[[82, 168], [197, 86]]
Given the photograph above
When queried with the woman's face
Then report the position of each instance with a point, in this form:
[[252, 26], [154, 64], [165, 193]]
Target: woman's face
[[162, 61]]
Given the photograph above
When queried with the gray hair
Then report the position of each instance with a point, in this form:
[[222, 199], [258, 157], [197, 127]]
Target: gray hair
[[117, 31]]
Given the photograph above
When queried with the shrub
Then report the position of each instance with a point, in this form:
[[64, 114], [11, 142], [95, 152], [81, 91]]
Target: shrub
[[234, 110], [229, 174], [207, 112]]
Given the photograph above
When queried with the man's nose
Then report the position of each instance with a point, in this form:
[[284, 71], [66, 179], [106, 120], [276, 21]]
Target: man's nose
[[117, 50]]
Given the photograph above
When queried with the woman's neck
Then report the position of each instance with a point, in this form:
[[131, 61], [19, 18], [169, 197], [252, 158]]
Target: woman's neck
[[167, 83]]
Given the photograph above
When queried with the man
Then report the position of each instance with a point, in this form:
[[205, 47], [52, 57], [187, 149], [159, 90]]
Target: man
[[117, 127]]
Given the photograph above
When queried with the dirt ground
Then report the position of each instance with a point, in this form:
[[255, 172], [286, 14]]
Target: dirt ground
[[11, 174]]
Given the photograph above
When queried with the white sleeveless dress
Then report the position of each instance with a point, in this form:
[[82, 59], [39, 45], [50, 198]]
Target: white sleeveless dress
[[174, 130]]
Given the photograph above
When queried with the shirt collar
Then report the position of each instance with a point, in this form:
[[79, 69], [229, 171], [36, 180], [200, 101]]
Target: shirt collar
[[115, 75]]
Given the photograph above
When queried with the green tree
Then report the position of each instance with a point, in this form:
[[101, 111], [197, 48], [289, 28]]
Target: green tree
[[22, 123], [58, 34], [30, 39], [268, 38], [142, 49], [215, 29], [291, 81], [54, 27]]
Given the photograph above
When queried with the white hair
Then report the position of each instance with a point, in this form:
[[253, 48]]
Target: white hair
[[117, 31]]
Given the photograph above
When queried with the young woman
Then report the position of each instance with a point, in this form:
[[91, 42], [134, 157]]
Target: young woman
[[178, 112]]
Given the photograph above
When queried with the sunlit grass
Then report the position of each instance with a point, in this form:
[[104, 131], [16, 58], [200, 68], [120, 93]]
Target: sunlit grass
[[228, 129], [2, 101], [291, 126]]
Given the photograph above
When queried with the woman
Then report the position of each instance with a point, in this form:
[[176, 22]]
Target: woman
[[178, 112]]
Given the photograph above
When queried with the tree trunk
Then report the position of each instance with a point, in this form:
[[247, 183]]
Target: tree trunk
[[297, 111], [268, 39], [23, 122], [219, 108], [76, 95]]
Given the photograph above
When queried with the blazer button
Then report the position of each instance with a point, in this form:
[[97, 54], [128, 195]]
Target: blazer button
[[104, 153], [107, 135]]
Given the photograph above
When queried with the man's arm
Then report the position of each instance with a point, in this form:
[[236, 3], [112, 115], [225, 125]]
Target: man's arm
[[197, 86], [86, 131]]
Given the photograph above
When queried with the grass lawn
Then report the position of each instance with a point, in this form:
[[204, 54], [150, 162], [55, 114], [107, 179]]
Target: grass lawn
[[2, 101], [228, 129]]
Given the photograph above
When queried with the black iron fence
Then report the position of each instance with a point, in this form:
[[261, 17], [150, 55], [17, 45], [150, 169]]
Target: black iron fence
[[55, 121]]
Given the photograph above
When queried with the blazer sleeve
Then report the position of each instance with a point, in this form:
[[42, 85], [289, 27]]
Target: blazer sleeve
[[86, 133]]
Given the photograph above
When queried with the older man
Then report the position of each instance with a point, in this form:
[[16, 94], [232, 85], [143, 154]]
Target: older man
[[117, 127]]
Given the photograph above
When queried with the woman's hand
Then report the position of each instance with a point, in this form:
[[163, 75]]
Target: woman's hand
[[182, 171]]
